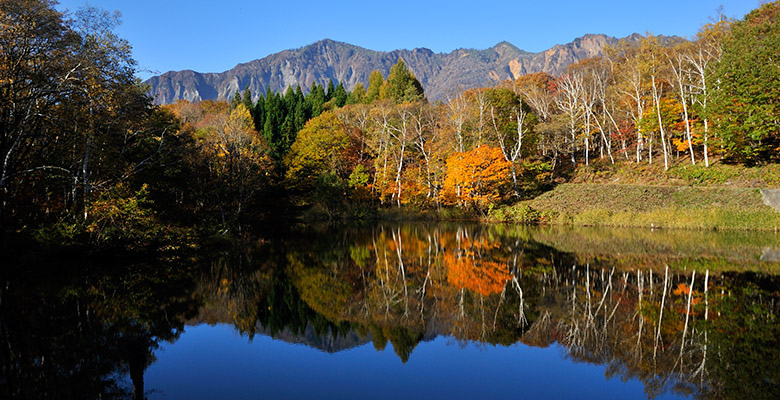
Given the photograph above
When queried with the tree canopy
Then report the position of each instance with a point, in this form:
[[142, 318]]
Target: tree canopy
[[746, 102]]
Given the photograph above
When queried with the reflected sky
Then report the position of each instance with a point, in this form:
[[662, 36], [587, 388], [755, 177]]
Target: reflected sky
[[217, 362]]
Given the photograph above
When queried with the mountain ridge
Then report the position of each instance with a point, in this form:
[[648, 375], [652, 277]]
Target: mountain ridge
[[441, 74]]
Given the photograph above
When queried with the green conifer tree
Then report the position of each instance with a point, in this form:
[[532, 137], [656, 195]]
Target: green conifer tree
[[340, 95], [331, 90]]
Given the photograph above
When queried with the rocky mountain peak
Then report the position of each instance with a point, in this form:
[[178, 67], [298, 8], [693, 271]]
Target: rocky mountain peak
[[442, 74]]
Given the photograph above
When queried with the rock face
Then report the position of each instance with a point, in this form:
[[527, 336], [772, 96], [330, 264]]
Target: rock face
[[441, 74], [771, 198]]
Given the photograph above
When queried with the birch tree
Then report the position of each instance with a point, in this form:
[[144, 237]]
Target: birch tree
[[678, 66], [568, 101], [707, 50]]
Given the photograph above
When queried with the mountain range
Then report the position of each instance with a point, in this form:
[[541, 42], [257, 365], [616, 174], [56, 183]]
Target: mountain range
[[441, 74]]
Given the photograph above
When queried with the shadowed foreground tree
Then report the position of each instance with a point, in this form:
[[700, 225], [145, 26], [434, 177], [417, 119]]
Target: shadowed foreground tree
[[74, 125]]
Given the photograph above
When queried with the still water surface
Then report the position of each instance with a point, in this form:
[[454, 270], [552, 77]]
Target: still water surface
[[410, 310]]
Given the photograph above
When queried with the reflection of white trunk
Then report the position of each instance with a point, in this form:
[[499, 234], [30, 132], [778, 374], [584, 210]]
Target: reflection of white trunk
[[661, 313], [651, 283], [606, 291], [399, 253], [573, 290], [482, 315], [703, 364], [640, 291], [427, 277], [521, 319], [383, 281], [460, 303], [687, 315], [587, 291], [498, 307]]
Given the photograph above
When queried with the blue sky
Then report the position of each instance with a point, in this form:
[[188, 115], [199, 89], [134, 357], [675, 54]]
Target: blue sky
[[213, 36]]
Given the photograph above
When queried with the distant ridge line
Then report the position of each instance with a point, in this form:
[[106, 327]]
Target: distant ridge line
[[441, 74]]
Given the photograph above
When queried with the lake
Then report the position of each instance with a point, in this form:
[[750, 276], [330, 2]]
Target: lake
[[416, 310]]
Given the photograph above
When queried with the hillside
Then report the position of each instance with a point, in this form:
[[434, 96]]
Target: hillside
[[647, 206], [441, 74]]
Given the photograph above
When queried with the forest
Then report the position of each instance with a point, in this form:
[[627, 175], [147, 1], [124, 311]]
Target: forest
[[88, 158]]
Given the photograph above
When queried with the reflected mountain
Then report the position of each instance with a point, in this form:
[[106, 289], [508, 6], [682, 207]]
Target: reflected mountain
[[688, 313]]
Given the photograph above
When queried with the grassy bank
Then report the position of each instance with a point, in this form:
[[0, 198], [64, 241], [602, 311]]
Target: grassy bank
[[680, 173], [595, 204]]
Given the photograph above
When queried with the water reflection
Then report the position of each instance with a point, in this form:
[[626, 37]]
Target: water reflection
[[691, 313], [66, 335]]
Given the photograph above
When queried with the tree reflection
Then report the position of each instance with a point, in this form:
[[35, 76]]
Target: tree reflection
[[698, 326], [641, 318], [71, 334]]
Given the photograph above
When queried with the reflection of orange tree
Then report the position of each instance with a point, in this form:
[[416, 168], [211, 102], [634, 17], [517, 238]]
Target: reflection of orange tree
[[481, 276], [471, 265]]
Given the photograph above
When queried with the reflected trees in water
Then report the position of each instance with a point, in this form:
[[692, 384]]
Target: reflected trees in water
[[705, 326]]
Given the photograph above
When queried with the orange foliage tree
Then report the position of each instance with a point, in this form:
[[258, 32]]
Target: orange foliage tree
[[476, 177]]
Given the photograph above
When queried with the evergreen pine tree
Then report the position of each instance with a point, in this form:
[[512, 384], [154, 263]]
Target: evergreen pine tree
[[258, 114], [331, 90], [316, 99], [236, 100], [247, 100], [340, 95]]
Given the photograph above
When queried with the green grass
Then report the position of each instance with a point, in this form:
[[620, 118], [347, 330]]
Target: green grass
[[680, 173], [645, 206]]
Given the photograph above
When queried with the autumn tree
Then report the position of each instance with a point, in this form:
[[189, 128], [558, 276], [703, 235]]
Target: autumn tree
[[238, 163], [32, 83], [320, 149], [477, 177], [375, 81], [569, 95], [745, 101], [656, 69], [678, 57], [707, 51], [74, 122], [535, 90], [357, 95], [510, 122]]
